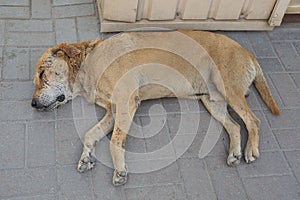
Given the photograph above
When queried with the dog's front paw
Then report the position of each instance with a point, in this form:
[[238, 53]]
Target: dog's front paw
[[86, 162], [234, 156], [251, 153], [120, 178]]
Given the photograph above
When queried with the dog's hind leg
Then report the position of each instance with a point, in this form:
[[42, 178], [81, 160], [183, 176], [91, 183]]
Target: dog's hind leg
[[240, 106], [87, 159], [218, 109], [124, 115]]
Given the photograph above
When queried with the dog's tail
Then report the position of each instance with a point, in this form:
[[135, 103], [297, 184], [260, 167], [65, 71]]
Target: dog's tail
[[264, 90]]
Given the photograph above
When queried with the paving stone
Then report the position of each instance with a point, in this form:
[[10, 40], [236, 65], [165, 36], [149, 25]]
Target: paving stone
[[272, 187], [294, 160], [12, 145], [2, 32], [196, 179], [269, 163], [289, 118], [222, 175], [297, 47], [70, 2], [31, 39], [284, 34], [40, 9], [296, 78], [36, 197], [152, 106], [88, 28], [270, 65], [35, 54], [74, 11], [14, 12], [152, 172], [288, 139], [16, 63], [65, 31], [16, 90], [29, 25], [14, 3], [102, 182], [41, 144], [1, 63], [70, 110], [287, 89], [287, 55], [22, 110], [261, 44], [74, 185], [195, 106], [173, 105], [68, 143], [29, 181], [156, 192]]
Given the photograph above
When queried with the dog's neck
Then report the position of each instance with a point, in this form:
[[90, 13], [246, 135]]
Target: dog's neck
[[75, 62]]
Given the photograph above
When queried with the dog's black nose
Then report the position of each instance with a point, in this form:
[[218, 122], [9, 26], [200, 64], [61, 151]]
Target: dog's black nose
[[61, 98], [36, 104]]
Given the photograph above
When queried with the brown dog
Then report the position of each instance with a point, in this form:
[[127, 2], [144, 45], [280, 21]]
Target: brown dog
[[133, 67]]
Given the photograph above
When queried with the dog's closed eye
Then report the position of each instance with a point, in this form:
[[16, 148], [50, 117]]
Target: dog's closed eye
[[41, 74]]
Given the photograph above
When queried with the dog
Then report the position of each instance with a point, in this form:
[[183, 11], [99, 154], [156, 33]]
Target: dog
[[121, 72]]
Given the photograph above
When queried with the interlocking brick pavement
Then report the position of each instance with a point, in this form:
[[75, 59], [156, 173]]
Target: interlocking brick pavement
[[40, 150]]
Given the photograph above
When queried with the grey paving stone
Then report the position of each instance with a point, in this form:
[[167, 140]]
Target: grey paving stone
[[29, 181], [196, 179], [40, 9], [225, 179], [68, 143], [29, 25], [269, 163], [22, 110], [88, 28], [261, 44], [35, 54], [195, 106], [41, 144], [162, 192], [2, 32], [65, 30], [70, 2], [288, 139], [16, 63], [152, 106], [73, 11], [31, 39], [16, 90], [294, 160], [272, 187], [14, 12], [74, 185], [267, 140], [297, 47], [287, 55], [35, 197], [102, 182], [1, 63], [287, 90], [70, 110], [12, 146], [296, 78], [173, 105], [280, 34], [270, 65], [152, 172], [289, 118], [14, 3]]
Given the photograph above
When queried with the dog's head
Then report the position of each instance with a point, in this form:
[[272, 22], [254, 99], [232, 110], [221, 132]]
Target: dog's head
[[52, 76]]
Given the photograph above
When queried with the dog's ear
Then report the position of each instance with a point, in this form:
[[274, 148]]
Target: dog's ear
[[70, 50]]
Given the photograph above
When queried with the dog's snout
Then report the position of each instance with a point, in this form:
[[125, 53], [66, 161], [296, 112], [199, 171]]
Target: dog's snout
[[36, 104], [61, 98]]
